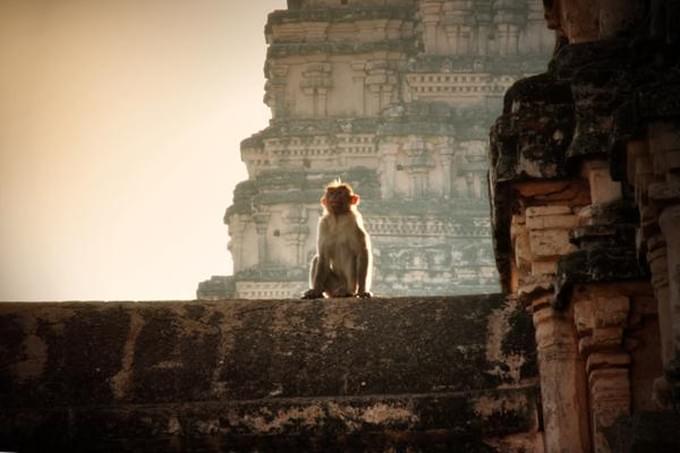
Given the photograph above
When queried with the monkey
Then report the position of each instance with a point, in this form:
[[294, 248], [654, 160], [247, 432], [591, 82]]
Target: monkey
[[342, 265]]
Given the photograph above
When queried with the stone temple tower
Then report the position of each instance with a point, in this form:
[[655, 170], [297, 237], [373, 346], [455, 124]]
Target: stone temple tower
[[395, 97]]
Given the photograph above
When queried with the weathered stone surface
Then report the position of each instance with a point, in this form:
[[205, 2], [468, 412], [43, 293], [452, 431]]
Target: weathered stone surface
[[646, 432], [257, 375]]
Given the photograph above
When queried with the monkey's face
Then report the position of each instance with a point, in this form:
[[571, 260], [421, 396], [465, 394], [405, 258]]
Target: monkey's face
[[339, 200]]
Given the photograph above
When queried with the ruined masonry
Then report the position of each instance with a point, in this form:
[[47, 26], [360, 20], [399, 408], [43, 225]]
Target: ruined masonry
[[579, 353], [585, 177], [395, 97]]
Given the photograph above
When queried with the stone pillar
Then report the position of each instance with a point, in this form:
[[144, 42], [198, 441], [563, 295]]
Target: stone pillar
[[669, 221], [261, 226], [235, 245], [536, 37], [664, 194], [457, 17], [275, 89], [539, 237], [321, 102], [419, 181], [601, 317], [469, 185], [418, 166], [388, 168], [380, 83], [484, 19], [477, 185], [563, 383], [446, 154], [359, 80], [508, 19], [296, 233], [641, 175], [315, 83], [429, 11]]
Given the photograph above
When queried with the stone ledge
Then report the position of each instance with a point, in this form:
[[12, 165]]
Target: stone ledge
[[453, 420], [459, 367]]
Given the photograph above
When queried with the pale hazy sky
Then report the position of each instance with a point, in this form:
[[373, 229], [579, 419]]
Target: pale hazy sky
[[120, 123]]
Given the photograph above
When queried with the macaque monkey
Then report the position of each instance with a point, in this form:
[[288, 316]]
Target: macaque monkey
[[342, 265]]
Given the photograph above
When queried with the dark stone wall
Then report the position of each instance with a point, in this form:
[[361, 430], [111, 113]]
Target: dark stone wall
[[429, 373]]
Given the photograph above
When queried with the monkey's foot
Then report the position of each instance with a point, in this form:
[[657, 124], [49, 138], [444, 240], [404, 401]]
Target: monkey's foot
[[312, 294], [364, 295]]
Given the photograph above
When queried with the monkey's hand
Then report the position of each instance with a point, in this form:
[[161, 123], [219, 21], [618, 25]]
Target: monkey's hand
[[364, 294], [312, 294]]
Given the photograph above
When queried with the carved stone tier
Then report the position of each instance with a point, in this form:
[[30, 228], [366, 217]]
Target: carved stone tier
[[369, 92]]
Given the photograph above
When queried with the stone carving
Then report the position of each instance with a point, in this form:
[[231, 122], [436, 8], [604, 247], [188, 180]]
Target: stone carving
[[585, 201]]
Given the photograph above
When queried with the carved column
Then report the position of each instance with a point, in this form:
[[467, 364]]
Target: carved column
[[446, 153], [429, 11], [484, 18], [418, 167], [640, 175], [419, 181], [664, 194], [261, 226], [275, 88], [563, 385], [508, 18], [359, 79], [295, 234], [670, 225], [380, 83], [469, 185], [537, 39], [237, 229], [457, 24], [315, 83], [388, 168], [601, 318]]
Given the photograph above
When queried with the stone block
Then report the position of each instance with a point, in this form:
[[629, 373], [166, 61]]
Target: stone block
[[549, 243], [602, 188], [552, 222], [607, 360], [543, 267], [537, 211]]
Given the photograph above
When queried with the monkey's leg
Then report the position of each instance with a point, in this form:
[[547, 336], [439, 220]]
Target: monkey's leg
[[363, 274], [317, 277]]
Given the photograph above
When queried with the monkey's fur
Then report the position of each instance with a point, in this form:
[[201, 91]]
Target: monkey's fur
[[342, 265]]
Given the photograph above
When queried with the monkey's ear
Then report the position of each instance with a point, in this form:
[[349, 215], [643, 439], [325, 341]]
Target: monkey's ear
[[323, 201], [354, 199]]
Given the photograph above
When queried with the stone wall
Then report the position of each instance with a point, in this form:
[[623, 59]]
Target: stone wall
[[436, 374]]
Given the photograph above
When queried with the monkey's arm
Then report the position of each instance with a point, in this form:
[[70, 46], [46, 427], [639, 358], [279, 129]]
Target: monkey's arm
[[363, 264]]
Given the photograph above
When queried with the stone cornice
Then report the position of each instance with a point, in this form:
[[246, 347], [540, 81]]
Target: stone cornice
[[280, 50]]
